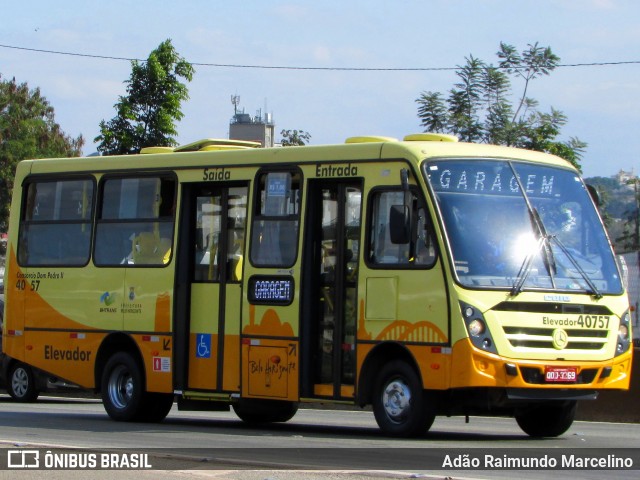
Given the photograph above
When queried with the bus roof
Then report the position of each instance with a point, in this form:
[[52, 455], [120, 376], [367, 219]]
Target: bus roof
[[444, 149], [216, 152]]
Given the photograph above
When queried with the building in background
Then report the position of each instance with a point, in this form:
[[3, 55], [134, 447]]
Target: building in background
[[625, 178], [259, 128]]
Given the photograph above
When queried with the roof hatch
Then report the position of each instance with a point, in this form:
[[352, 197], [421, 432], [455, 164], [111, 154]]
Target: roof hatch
[[370, 139], [430, 137], [205, 145]]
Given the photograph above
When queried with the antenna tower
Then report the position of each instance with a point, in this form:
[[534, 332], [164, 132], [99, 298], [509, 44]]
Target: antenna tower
[[235, 100]]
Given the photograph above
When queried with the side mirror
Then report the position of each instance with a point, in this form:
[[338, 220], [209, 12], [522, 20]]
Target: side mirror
[[595, 196], [399, 224]]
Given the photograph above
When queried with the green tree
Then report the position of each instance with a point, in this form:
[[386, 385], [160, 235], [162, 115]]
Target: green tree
[[292, 138], [147, 115], [27, 130], [479, 106]]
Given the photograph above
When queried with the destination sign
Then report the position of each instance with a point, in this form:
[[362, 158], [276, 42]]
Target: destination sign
[[271, 290], [488, 178]]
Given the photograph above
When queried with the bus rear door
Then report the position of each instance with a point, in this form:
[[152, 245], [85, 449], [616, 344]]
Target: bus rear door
[[211, 259]]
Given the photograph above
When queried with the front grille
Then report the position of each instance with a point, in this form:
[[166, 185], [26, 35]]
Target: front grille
[[541, 338], [548, 307]]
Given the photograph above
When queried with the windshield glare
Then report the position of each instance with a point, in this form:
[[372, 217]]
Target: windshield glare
[[497, 240]]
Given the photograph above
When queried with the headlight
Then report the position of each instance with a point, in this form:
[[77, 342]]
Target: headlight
[[624, 337], [479, 332], [476, 327], [623, 332]]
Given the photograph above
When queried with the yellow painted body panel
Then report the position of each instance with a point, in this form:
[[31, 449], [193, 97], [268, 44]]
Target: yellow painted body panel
[[66, 344], [430, 137], [497, 321], [232, 352], [473, 368], [272, 369], [150, 150], [157, 354], [73, 358]]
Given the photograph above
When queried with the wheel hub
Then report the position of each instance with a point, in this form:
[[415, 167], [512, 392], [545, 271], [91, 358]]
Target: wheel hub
[[396, 400], [20, 382], [121, 387]]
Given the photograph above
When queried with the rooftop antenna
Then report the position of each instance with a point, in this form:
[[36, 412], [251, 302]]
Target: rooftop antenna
[[235, 100]]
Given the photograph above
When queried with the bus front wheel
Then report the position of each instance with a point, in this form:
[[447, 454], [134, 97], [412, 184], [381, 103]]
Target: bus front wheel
[[122, 387], [547, 420], [400, 405], [22, 383], [156, 407]]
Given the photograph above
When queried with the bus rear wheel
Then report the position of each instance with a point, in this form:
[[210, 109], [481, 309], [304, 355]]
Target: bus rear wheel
[[124, 396], [22, 383], [264, 411], [122, 388], [400, 405], [547, 420]]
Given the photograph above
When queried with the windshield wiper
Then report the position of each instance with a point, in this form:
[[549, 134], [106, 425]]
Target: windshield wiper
[[594, 290], [543, 243], [548, 258], [525, 268]]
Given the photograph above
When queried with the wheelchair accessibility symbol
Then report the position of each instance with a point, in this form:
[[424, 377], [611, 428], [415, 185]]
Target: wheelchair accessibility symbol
[[203, 345]]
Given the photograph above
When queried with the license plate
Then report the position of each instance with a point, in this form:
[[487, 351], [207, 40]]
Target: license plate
[[561, 374]]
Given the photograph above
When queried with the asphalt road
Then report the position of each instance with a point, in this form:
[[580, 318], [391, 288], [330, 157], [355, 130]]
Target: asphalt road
[[316, 443]]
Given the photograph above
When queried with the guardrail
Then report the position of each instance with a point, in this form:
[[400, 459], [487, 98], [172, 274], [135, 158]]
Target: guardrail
[[616, 406]]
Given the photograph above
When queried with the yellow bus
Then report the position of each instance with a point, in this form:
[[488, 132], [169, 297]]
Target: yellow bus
[[422, 277]]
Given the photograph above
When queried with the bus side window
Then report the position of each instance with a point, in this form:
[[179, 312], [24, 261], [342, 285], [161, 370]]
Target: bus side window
[[419, 251], [135, 221], [55, 227], [274, 238]]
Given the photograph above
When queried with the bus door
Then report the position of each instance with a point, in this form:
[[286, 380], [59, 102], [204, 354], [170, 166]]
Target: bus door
[[332, 252], [212, 247]]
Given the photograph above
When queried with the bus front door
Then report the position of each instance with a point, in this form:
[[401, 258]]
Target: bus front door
[[332, 251], [212, 247]]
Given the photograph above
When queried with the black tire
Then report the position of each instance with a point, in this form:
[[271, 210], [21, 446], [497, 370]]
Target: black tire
[[21, 383], [156, 407], [401, 407], [547, 420], [265, 411], [122, 388]]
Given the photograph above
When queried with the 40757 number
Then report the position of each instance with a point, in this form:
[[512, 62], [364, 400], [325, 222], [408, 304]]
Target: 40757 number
[[593, 321]]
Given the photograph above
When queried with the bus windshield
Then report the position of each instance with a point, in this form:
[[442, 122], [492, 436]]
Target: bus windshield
[[521, 226]]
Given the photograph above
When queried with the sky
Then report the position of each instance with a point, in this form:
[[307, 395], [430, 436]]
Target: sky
[[600, 102]]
